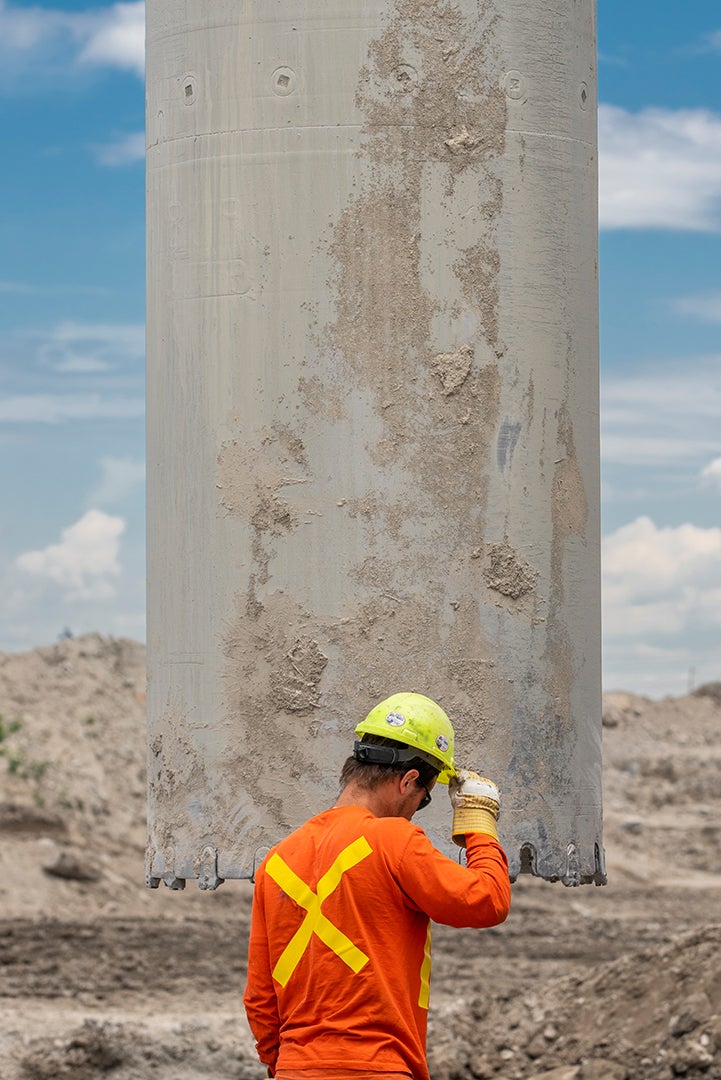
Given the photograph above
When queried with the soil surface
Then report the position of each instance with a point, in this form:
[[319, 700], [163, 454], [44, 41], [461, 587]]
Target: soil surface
[[100, 977]]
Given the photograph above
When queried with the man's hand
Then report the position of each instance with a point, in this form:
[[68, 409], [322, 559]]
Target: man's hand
[[476, 804]]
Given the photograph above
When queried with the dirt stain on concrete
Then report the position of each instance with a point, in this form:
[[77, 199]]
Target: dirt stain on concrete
[[569, 515], [507, 573], [478, 270], [250, 478], [427, 91], [428, 102], [452, 368], [295, 682]]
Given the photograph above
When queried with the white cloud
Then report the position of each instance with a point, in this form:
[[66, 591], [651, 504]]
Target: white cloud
[[661, 606], [86, 347], [706, 307], [124, 151], [60, 408], [657, 581], [84, 561], [121, 478], [129, 338], [712, 472], [45, 38], [98, 368], [666, 418], [643, 555], [34, 610], [659, 168], [25, 29], [119, 40]]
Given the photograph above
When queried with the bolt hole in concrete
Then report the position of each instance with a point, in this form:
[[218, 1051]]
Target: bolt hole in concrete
[[283, 81], [406, 78]]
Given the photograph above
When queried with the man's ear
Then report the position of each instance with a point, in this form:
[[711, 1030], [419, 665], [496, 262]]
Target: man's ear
[[407, 779]]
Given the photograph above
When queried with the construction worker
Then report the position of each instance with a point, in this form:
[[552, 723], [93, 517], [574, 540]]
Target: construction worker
[[339, 960]]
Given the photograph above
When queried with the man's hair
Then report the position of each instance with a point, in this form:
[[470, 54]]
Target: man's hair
[[370, 776]]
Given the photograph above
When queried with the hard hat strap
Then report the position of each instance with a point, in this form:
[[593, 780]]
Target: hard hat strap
[[370, 754]]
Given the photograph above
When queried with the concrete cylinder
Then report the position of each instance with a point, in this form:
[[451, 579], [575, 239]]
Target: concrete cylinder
[[372, 412]]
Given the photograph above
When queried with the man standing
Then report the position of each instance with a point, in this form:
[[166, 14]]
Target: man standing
[[339, 961]]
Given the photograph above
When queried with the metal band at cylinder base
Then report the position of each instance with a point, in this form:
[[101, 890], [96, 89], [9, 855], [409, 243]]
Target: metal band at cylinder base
[[372, 412]]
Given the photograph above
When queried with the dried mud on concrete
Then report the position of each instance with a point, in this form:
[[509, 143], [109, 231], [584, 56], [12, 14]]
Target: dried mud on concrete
[[100, 977]]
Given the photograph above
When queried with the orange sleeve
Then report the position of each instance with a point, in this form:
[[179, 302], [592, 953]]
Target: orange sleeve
[[475, 895], [261, 1004]]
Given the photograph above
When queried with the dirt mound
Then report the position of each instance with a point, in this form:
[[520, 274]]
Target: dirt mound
[[655, 1013], [100, 976], [662, 784], [129, 1051], [711, 690], [72, 714], [72, 783]]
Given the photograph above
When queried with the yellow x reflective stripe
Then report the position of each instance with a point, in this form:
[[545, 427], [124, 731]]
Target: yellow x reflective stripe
[[315, 921], [424, 997]]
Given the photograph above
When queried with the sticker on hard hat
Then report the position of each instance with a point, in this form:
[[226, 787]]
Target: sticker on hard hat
[[395, 719], [442, 743]]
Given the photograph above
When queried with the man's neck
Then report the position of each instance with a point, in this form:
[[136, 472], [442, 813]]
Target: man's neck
[[383, 801], [352, 795]]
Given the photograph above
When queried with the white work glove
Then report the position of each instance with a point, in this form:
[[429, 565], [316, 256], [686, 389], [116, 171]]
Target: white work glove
[[476, 804]]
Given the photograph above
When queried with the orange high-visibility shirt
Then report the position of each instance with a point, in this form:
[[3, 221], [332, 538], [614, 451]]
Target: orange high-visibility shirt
[[339, 956]]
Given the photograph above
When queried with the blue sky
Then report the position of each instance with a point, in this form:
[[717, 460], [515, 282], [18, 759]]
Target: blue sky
[[72, 349]]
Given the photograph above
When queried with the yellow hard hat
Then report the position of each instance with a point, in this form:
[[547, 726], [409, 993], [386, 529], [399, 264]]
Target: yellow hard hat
[[419, 723]]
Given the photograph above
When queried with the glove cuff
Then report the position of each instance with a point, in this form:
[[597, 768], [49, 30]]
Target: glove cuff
[[467, 801], [473, 820]]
